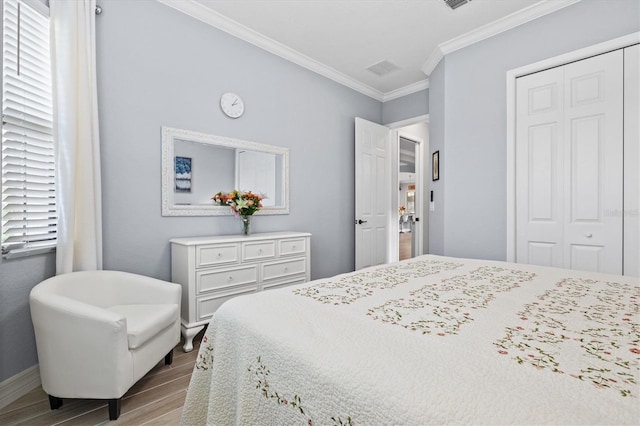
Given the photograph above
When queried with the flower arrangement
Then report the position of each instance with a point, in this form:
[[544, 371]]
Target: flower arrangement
[[402, 209], [241, 203]]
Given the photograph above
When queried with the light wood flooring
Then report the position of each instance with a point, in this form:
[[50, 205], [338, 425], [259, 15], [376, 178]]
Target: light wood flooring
[[156, 399], [405, 245]]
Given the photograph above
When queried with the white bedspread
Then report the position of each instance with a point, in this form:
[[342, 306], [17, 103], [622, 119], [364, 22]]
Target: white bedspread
[[432, 340]]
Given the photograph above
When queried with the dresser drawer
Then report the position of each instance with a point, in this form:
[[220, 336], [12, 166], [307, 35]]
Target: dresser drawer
[[216, 254], [293, 246], [259, 250], [207, 280], [286, 283], [279, 270], [207, 305]]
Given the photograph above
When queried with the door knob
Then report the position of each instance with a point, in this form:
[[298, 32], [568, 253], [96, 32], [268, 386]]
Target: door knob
[[360, 221], [588, 235]]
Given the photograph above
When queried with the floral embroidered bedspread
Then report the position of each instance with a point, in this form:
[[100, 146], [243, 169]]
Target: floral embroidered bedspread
[[431, 340]]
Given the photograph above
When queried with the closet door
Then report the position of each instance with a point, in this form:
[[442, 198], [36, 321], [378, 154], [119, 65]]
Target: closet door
[[569, 165]]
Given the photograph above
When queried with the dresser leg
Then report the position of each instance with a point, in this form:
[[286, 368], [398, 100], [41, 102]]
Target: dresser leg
[[189, 334]]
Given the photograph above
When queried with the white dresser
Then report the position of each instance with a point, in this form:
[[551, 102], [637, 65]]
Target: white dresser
[[212, 270]]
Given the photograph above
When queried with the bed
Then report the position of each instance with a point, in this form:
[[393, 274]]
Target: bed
[[430, 340]]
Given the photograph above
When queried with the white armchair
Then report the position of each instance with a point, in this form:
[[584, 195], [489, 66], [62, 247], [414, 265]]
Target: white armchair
[[99, 332]]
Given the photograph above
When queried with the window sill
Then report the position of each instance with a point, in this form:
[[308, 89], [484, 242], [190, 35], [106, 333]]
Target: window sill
[[18, 253]]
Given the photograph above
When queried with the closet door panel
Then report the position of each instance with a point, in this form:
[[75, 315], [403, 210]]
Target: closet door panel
[[539, 169], [592, 156]]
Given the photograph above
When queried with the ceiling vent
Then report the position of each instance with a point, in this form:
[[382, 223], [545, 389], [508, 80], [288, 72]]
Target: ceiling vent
[[383, 68], [454, 4]]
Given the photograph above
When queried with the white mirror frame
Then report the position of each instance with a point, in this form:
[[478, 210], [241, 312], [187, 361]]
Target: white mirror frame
[[169, 208]]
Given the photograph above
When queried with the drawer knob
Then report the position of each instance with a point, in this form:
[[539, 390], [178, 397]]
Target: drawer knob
[[293, 247], [259, 250], [286, 269], [230, 278], [219, 254]]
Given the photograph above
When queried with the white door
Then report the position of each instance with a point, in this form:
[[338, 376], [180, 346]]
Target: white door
[[373, 183], [569, 165]]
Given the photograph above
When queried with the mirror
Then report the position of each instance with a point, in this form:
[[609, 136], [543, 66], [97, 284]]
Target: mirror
[[195, 166]]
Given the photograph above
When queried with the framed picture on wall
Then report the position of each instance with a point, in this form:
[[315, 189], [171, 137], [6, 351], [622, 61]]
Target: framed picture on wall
[[435, 166], [183, 174]]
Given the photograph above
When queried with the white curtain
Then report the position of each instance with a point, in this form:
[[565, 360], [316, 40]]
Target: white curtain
[[76, 136]]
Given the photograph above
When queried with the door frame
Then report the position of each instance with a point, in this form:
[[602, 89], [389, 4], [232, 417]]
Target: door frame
[[512, 75]]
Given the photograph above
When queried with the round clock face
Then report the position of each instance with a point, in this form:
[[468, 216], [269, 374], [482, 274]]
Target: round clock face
[[232, 105]]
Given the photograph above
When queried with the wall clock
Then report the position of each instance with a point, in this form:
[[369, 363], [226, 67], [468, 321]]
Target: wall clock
[[232, 105]]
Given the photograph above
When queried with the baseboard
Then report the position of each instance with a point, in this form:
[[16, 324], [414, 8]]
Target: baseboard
[[16, 386]]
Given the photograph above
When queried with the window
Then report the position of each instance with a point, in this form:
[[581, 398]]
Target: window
[[28, 173]]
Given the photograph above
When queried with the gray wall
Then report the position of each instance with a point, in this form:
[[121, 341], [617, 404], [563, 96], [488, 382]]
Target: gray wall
[[17, 278], [468, 118], [409, 106], [436, 143]]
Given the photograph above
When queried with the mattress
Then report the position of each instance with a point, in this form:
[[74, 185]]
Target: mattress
[[430, 340]]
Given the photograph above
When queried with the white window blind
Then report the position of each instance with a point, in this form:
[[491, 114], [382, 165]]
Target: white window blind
[[28, 173]]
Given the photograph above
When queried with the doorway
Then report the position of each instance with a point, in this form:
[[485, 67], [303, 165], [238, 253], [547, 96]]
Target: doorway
[[407, 157], [413, 187]]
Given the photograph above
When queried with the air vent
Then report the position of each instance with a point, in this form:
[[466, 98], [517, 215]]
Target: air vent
[[454, 4], [383, 68]]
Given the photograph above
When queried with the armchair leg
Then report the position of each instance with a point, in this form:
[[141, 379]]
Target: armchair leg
[[168, 358], [55, 402], [114, 408]]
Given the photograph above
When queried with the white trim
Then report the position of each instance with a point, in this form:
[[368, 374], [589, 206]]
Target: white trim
[[16, 386], [221, 22], [496, 27], [512, 75], [409, 121], [432, 61], [406, 90]]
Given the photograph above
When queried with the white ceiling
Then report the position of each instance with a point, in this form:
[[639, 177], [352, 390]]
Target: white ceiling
[[342, 38]]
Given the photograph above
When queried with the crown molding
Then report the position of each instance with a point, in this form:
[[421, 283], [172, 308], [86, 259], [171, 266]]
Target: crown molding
[[406, 90], [221, 22], [496, 27]]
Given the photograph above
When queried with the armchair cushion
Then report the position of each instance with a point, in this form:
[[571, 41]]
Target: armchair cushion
[[145, 321]]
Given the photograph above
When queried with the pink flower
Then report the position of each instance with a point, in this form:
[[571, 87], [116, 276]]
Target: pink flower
[[502, 352], [635, 350]]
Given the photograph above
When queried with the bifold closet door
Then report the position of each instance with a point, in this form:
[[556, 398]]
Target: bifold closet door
[[569, 165]]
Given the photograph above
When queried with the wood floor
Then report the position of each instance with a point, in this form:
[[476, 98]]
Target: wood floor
[[405, 245], [156, 399]]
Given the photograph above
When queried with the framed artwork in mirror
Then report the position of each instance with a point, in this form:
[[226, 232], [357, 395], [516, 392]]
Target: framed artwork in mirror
[[183, 174]]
